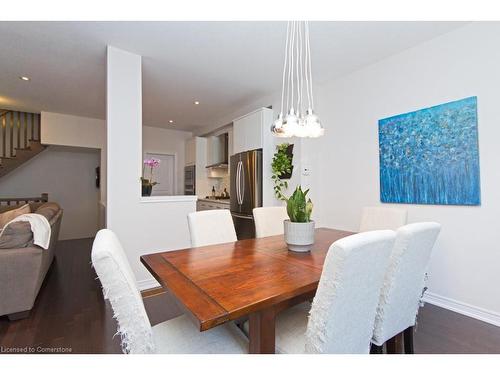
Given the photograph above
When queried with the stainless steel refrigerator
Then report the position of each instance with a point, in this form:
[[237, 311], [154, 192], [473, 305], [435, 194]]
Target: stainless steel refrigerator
[[246, 190]]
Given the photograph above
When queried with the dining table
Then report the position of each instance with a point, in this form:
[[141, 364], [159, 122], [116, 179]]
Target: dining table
[[254, 278]]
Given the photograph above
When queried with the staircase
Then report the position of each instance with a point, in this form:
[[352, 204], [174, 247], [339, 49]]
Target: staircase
[[19, 139]]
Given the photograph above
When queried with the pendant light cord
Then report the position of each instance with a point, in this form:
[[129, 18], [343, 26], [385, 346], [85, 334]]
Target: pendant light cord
[[300, 68], [308, 48], [297, 67], [284, 67], [307, 63], [291, 70]]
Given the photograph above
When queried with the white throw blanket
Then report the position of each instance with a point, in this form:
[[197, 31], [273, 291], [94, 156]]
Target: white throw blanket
[[40, 227]]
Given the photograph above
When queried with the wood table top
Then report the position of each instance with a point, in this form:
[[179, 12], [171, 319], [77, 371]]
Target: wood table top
[[223, 282]]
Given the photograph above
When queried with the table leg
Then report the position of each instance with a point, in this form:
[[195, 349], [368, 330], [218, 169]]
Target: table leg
[[262, 332]]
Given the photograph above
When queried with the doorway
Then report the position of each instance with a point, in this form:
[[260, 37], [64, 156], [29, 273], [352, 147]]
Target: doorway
[[164, 174]]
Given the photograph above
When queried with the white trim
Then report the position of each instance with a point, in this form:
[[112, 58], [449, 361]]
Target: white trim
[[463, 308], [169, 198], [147, 284]]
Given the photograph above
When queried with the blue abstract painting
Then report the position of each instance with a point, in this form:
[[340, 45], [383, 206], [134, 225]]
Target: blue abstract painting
[[431, 156]]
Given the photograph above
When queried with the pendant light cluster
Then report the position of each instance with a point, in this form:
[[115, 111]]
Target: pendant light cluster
[[300, 119]]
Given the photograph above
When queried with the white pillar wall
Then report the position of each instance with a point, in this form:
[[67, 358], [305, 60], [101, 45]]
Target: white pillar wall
[[143, 225], [124, 131]]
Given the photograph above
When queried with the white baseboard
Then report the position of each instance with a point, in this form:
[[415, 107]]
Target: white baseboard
[[148, 284], [463, 308]]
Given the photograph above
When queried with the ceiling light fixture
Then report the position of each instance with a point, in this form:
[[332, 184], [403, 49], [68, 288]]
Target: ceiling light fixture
[[196, 102], [297, 77], [24, 78], [171, 121]]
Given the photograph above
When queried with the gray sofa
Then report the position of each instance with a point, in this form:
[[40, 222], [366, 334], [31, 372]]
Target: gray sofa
[[23, 265]]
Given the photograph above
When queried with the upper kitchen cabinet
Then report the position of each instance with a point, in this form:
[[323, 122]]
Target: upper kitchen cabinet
[[195, 151], [190, 150], [251, 131]]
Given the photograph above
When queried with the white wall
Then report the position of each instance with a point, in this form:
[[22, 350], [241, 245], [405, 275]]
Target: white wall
[[68, 175], [76, 131], [69, 130], [465, 267], [143, 225]]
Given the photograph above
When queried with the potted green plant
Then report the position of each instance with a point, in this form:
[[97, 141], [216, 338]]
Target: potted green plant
[[148, 183], [282, 168], [299, 229]]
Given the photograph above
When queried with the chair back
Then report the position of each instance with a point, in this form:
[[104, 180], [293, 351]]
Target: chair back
[[269, 221], [378, 218], [211, 227], [343, 311], [119, 285], [404, 281]]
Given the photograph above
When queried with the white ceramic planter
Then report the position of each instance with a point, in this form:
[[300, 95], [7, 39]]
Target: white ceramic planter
[[299, 236]]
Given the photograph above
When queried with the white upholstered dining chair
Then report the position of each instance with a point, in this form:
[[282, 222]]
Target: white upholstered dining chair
[[211, 227], [343, 311], [269, 221], [178, 335], [404, 282], [378, 218]]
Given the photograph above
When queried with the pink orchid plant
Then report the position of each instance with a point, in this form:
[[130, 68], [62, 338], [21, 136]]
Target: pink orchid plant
[[151, 164]]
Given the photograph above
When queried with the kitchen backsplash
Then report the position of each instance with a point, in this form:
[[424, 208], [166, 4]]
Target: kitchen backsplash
[[219, 184]]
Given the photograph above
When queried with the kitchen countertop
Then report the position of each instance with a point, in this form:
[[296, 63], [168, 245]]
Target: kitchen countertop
[[222, 201]]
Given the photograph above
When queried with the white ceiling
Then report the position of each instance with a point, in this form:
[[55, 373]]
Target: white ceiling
[[224, 65]]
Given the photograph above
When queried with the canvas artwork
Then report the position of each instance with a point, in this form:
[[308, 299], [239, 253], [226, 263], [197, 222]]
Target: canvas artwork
[[431, 156]]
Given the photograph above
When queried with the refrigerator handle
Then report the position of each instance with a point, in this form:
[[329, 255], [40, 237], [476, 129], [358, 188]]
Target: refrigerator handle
[[238, 183], [242, 191]]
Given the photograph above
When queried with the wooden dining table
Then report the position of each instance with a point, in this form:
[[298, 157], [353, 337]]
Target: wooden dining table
[[254, 278]]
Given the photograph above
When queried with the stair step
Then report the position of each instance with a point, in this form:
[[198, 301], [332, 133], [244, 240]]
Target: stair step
[[8, 164], [29, 149]]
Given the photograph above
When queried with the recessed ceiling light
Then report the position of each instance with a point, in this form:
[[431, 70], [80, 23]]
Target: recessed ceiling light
[[171, 121], [24, 78], [196, 102]]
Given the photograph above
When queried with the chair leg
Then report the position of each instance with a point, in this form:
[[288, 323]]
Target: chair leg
[[395, 345], [19, 315], [375, 349], [408, 340], [240, 324]]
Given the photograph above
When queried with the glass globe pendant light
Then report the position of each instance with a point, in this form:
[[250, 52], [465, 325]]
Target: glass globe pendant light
[[292, 120], [277, 127], [315, 129]]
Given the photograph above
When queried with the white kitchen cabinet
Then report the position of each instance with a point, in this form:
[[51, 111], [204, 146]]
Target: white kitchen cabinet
[[196, 154], [251, 131], [190, 151], [212, 150], [230, 142], [207, 204]]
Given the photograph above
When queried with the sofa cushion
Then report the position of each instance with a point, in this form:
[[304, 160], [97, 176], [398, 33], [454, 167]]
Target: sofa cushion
[[19, 234], [49, 210], [16, 235], [7, 216]]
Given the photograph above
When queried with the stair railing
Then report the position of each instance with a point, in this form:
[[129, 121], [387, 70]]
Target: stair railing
[[18, 129], [44, 197]]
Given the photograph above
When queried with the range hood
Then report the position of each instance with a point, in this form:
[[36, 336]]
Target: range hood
[[217, 152]]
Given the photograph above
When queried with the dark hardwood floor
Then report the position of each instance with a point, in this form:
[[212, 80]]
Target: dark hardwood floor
[[70, 315]]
